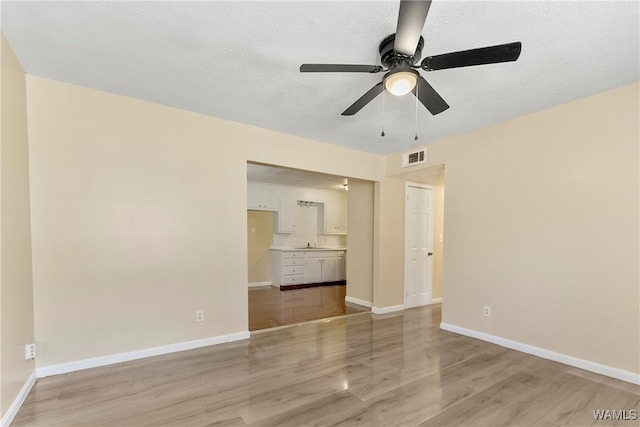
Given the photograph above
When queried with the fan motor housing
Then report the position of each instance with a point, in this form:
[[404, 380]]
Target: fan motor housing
[[391, 59]]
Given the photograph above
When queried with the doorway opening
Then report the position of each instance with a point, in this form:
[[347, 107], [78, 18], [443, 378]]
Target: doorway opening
[[295, 218], [433, 177]]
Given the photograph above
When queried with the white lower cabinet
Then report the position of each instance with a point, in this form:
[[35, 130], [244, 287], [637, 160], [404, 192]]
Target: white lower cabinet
[[287, 267], [342, 266], [313, 270], [321, 269], [300, 267], [329, 270]]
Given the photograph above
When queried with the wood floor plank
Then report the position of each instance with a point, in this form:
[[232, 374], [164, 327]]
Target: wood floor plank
[[398, 369], [270, 307], [485, 405]]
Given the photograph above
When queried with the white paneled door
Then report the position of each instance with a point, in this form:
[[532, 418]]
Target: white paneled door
[[418, 274]]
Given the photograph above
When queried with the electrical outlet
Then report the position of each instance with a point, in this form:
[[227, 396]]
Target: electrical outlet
[[487, 311], [200, 316], [30, 351]]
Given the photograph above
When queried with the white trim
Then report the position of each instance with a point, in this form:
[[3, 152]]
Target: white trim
[[418, 185], [436, 300], [385, 310], [358, 301], [587, 365], [8, 417], [238, 336], [95, 362], [259, 284]]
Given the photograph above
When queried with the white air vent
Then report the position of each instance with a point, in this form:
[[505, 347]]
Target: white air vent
[[414, 158]]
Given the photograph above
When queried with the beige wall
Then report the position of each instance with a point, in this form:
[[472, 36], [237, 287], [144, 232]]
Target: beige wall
[[16, 287], [388, 257], [360, 223], [139, 218], [260, 236], [542, 224]]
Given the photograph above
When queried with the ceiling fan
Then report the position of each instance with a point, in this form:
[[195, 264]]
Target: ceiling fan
[[400, 53]]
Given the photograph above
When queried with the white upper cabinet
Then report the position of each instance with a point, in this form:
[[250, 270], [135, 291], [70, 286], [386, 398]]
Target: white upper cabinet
[[286, 217], [335, 214], [331, 207], [261, 197]]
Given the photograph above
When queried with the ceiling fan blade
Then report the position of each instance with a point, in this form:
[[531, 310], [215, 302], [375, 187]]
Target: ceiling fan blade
[[411, 18], [364, 100], [485, 55], [429, 97], [339, 68]]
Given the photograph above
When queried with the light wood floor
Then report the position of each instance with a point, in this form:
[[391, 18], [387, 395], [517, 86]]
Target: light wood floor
[[270, 307], [359, 370]]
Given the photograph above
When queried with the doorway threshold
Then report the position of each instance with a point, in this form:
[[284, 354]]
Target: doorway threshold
[[308, 322], [312, 285]]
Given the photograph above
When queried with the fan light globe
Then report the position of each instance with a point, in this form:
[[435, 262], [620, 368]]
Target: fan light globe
[[400, 83]]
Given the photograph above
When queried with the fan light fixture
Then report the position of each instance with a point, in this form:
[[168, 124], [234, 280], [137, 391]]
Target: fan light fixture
[[400, 82]]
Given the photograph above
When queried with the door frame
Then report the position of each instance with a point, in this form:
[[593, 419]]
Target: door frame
[[408, 184]]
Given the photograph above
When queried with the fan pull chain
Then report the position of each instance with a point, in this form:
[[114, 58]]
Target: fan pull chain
[[382, 134], [417, 93]]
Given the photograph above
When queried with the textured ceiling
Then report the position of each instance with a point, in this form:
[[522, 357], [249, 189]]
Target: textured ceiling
[[294, 177], [239, 60]]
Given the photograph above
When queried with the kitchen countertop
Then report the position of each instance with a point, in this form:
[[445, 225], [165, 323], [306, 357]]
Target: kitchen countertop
[[319, 248]]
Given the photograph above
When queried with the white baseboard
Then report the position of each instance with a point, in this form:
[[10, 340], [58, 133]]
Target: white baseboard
[[385, 310], [436, 300], [358, 301], [238, 336], [95, 362], [8, 417], [587, 365], [259, 284]]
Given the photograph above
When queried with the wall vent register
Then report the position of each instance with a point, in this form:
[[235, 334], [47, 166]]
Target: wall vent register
[[414, 158]]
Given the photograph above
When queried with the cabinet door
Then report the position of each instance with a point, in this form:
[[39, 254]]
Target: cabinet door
[[342, 270], [313, 270], [261, 197], [329, 270], [335, 215], [287, 216], [270, 202], [252, 197]]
